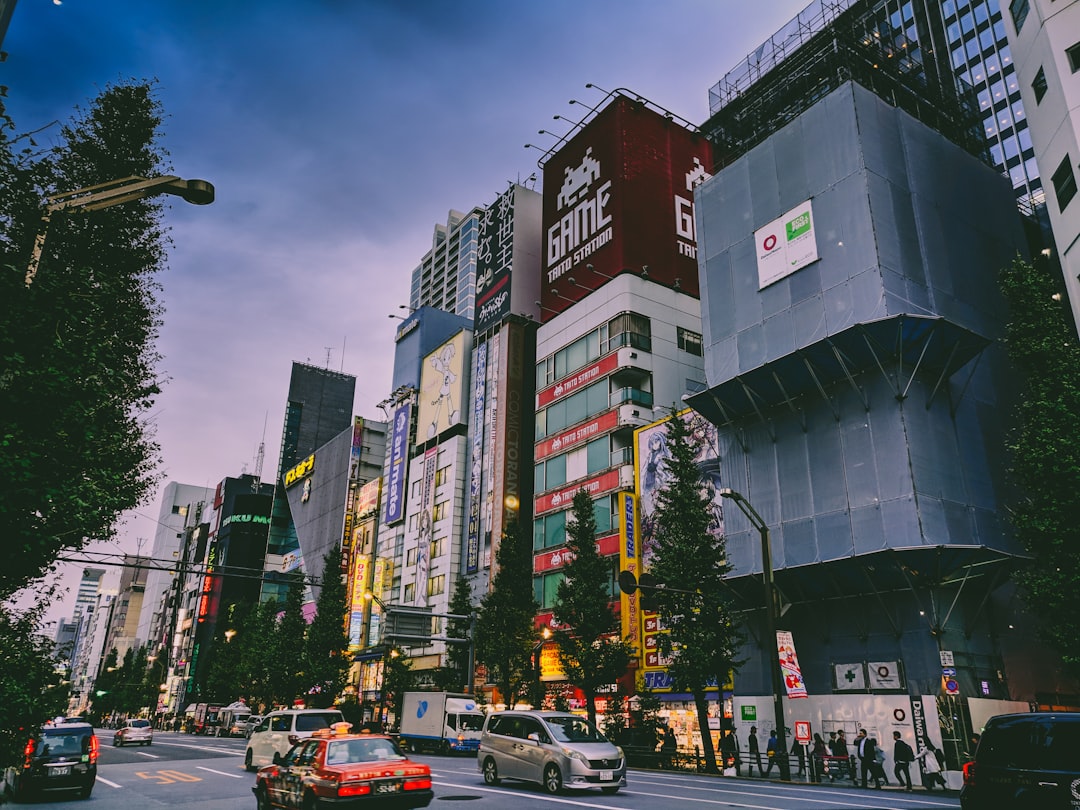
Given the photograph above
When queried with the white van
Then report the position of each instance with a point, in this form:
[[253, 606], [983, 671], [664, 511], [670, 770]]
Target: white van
[[280, 731]]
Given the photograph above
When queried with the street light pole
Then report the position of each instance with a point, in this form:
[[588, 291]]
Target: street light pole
[[114, 192], [770, 626]]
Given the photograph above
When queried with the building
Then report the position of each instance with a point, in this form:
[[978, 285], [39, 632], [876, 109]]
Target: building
[[848, 251], [1045, 40], [319, 407], [86, 663], [86, 599], [445, 279], [620, 340], [123, 622]]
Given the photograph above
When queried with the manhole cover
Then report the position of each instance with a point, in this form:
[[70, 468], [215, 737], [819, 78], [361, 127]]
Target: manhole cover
[[456, 798]]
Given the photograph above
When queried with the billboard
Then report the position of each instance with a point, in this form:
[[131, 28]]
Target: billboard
[[620, 195], [476, 458], [442, 384], [398, 473], [629, 561], [494, 257], [786, 244]]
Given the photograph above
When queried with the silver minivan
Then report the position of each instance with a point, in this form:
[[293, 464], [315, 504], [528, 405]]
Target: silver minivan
[[555, 749]]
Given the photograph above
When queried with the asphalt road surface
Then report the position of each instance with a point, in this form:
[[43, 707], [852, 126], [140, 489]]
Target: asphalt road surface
[[180, 770]]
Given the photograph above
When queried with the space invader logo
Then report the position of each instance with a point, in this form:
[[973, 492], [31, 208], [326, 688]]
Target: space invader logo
[[576, 180], [696, 176]]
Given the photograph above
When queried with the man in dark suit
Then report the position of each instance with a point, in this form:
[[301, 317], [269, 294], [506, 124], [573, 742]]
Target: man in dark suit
[[864, 750]]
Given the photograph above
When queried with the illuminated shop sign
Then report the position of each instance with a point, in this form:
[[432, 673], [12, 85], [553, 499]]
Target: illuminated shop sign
[[263, 519], [564, 497], [562, 442], [300, 471], [591, 373]]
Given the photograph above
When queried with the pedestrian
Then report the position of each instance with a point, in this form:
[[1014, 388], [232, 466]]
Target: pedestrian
[[771, 752], [932, 766], [877, 764], [755, 754], [668, 747], [902, 756], [839, 750], [799, 751], [864, 750], [817, 756], [973, 744], [729, 751]]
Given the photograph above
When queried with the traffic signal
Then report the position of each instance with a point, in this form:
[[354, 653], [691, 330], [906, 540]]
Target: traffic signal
[[649, 593]]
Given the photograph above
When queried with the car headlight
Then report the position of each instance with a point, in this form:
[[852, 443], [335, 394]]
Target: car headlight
[[621, 754], [580, 757]]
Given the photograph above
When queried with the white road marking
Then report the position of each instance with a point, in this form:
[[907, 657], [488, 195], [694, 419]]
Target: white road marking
[[220, 773], [144, 754], [107, 782]]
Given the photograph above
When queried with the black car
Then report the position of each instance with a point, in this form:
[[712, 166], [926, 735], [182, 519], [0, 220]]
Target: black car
[[59, 758], [1025, 761]]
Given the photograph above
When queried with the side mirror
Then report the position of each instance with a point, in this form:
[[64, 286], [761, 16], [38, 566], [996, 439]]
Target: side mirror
[[534, 738]]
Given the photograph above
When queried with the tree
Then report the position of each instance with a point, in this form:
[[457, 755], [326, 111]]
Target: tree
[[1044, 451], [397, 679], [77, 346], [703, 640], [504, 629], [327, 639], [256, 654], [30, 679], [453, 677], [590, 650], [105, 698], [287, 648], [226, 675]]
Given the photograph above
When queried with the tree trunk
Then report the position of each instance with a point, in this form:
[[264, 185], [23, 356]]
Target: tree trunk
[[590, 705], [706, 734]]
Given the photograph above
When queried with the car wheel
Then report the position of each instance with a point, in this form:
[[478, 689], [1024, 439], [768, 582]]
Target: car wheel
[[262, 801], [491, 772], [552, 779], [444, 749], [610, 791], [247, 761], [86, 791]]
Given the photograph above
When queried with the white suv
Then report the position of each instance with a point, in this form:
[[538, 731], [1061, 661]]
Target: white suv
[[279, 731]]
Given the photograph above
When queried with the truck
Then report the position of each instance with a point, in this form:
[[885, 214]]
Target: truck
[[206, 718], [232, 720], [444, 722]]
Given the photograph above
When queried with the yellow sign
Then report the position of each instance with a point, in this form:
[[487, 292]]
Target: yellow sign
[[550, 663], [300, 471]]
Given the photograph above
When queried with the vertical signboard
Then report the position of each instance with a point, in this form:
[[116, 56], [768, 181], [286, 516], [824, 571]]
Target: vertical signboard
[[492, 447], [628, 561], [508, 428], [423, 550], [398, 472], [476, 458], [789, 665], [620, 194], [494, 256]]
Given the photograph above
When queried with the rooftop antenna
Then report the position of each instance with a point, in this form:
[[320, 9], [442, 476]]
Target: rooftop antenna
[[259, 456], [329, 351]]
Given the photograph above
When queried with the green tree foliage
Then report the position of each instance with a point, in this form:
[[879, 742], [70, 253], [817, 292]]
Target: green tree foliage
[[155, 676], [77, 356], [591, 652], [703, 638], [398, 678], [453, 677], [105, 697], [327, 640], [256, 636], [1044, 451], [287, 674], [226, 676], [505, 632], [30, 680]]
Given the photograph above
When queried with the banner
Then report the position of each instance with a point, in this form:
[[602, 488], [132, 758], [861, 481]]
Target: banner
[[789, 665], [850, 677], [885, 675]]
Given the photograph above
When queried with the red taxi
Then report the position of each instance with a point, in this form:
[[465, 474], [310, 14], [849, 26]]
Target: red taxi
[[334, 768]]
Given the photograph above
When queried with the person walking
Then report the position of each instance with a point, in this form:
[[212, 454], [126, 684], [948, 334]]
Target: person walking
[[799, 751], [864, 750], [817, 757], [902, 756], [669, 747], [843, 763], [932, 765], [729, 751], [877, 764], [771, 752], [755, 754]]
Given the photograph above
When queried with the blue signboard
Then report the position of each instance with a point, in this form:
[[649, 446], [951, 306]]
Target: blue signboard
[[399, 468]]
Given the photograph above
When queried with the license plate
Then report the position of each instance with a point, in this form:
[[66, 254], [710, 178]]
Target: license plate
[[387, 787], [65, 771], [607, 776]]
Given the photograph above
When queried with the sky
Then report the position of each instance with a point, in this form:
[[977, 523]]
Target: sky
[[337, 134]]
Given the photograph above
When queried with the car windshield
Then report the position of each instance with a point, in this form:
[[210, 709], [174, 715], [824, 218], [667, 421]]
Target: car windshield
[[573, 729], [470, 722], [139, 723], [313, 722], [343, 752]]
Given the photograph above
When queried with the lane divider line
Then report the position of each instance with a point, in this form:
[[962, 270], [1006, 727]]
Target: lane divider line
[[220, 773]]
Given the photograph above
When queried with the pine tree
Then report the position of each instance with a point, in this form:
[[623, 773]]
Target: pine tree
[[77, 347], [703, 639], [504, 630], [327, 639], [590, 650], [1044, 451], [454, 676]]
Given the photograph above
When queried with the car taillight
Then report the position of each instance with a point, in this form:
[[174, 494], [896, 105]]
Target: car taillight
[[421, 783], [28, 753], [94, 745], [361, 789], [969, 774]]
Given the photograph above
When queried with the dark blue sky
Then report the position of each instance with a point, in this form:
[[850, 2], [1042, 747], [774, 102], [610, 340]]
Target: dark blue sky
[[337, 133]]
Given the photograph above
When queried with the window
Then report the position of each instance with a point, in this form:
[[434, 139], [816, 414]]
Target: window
[[436, 585], [1039, 85], [689, 342], [410, 593], [1064, 183], [1074, 57], [440, 511], [440, 476], [438, 547], [410, 557], [1019, 11]]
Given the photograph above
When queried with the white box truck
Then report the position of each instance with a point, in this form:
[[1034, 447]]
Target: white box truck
[[440, 721]]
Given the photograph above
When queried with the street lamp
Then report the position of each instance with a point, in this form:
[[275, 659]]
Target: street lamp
[[770, 625], [114, 192]]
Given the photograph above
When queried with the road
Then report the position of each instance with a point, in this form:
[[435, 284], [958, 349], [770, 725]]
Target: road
[[179, 770]]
